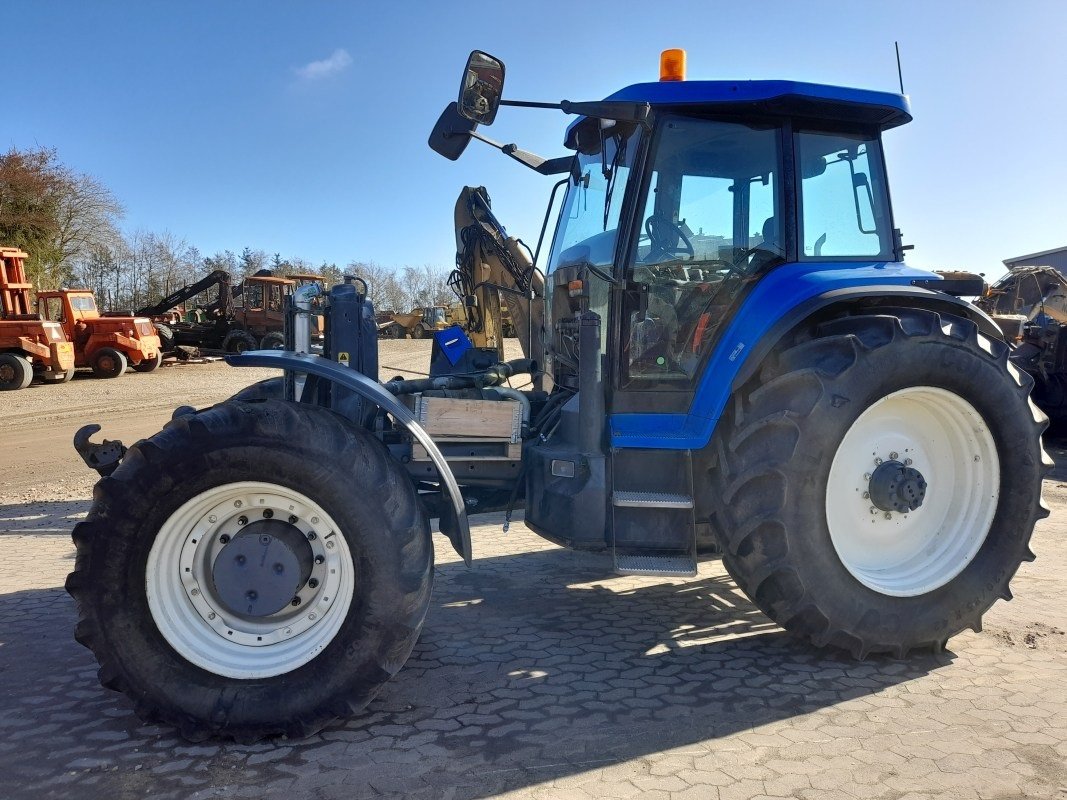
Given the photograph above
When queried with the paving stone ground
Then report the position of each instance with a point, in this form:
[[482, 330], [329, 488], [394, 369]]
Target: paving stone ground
[[540, 674]]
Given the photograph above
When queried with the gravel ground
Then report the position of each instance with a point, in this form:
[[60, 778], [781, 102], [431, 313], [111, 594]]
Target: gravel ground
[[39, 422]]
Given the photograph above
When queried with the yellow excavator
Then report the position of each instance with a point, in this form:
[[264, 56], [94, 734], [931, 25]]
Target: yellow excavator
[[492, 266]]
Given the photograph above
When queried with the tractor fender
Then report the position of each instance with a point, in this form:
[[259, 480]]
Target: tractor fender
[[779, 303], [909, 296], [458, 527]]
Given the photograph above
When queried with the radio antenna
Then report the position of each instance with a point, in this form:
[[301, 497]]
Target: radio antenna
[[900, 75]]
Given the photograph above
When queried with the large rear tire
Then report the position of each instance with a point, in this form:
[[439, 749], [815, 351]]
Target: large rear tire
[[876, 485], [272, 341], [166, 337], [16, 372], [176, 624]]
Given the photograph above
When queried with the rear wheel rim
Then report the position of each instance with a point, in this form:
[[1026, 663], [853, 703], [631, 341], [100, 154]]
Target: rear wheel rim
[[944, 437], [201, 627]]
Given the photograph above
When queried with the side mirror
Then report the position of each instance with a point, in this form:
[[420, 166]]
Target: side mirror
[[482, 86], [451, 134]]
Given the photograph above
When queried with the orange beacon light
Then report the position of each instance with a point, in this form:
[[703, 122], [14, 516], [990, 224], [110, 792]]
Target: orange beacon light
[[672, 65]]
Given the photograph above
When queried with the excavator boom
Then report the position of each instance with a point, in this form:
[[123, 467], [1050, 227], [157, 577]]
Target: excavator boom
[[490, 266]]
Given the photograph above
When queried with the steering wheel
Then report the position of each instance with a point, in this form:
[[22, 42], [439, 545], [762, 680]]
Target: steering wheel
[[664, 236]]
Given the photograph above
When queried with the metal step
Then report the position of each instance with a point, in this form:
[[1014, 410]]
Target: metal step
[[675, 565], [650, 500]]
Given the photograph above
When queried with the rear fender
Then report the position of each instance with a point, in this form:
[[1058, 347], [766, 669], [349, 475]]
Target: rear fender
[[455, 525], [865, 297]]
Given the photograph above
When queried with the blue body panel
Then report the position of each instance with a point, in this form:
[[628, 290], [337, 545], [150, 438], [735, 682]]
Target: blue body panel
[[891, 109], [773, 298]]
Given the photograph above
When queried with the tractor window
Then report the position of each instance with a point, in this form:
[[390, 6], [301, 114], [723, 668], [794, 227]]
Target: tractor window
[[275, 298], [589, 220], [844, 207], [52, 308], [82, 303], [253, 296], [708, 227]]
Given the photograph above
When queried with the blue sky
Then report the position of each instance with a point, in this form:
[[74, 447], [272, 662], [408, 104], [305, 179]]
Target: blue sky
[[301, 128]]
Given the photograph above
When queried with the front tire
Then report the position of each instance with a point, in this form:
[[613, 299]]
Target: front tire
[[170, 620], [150, 364], [109, 363], [238, 341], [878, 482]]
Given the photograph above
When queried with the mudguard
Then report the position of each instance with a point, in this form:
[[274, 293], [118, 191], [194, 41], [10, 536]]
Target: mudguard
[[456, 529]]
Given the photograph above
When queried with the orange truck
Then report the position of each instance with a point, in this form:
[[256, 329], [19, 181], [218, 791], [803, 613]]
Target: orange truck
[[106, 342], [29, 346]]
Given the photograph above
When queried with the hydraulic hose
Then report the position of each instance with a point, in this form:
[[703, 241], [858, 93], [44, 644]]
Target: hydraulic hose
[[494, 376]]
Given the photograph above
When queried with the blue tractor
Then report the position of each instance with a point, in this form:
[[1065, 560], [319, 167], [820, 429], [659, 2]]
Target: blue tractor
[[725, 351]]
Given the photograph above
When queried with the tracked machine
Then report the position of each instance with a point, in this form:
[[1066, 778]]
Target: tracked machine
[[725, 345]]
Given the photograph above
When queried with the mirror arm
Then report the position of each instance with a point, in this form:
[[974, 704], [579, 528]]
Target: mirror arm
[[600, 109], [549, 166]]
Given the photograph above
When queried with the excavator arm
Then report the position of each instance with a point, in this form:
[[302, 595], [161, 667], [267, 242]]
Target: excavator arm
[[219, 278], [490, 266]]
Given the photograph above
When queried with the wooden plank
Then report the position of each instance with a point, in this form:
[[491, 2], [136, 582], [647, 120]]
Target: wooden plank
[[472, 419], [478, 450]]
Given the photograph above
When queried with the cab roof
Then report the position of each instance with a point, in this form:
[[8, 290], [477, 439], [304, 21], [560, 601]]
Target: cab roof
[[778, 98]]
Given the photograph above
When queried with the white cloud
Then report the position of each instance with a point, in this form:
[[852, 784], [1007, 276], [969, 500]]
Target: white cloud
[[316, 70]]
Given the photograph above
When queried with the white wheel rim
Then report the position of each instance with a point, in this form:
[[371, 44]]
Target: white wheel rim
[[201, 628], [944, 437]]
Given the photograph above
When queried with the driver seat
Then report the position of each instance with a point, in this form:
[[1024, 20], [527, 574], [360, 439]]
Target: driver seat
[[769, 249]]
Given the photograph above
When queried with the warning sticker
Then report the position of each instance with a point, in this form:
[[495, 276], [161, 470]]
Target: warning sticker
[[342, 358]]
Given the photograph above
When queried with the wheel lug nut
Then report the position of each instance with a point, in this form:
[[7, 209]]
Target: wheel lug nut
[[878, 461], [888, 515], [866, 476], [874, 510], [319, 559], [907, 462], [267, 513], [242, 520], [224, 538], [296, 601], [313, 583], [866, 495], [893, 456], [237, 504], [292, 519], [312, 536]]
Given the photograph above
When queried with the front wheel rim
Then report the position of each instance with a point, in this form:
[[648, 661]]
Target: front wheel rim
[[198, 623], [945, 438]]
